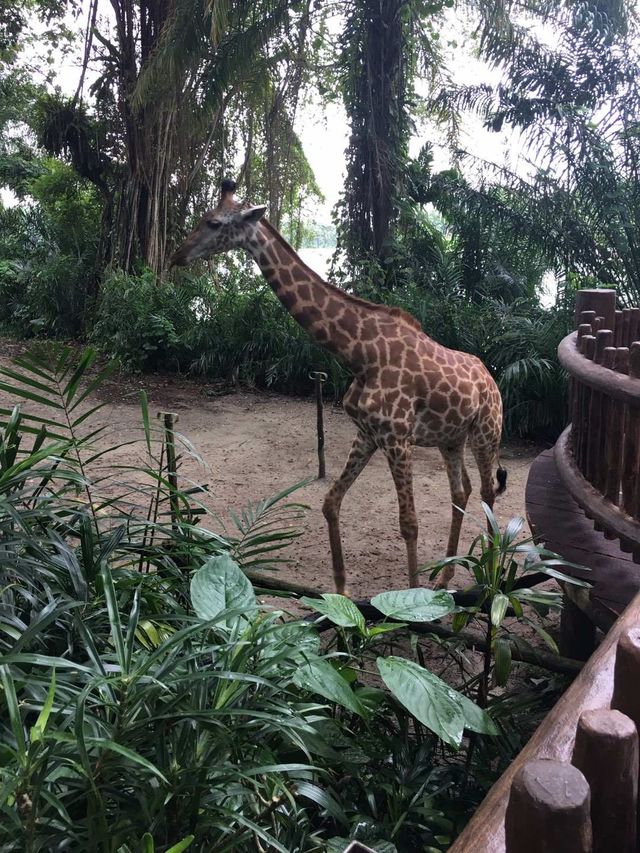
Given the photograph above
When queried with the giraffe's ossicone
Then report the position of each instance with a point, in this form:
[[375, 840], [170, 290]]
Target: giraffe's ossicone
[[407, 389]]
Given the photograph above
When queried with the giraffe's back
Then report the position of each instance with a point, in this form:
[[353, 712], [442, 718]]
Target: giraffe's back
[[425, 390]]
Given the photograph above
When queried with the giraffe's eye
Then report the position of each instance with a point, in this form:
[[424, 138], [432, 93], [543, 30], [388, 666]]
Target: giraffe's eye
[[211, 223]]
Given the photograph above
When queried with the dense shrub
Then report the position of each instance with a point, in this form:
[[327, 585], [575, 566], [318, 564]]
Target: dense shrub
[[146, 323], [240, 333], [144, 709], [48, 255]]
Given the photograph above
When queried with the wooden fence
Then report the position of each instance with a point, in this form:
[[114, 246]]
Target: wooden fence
[[598, 455], [574, 787]]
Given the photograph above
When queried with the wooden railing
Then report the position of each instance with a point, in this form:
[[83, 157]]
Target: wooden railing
[[598, 455], [574, 787]]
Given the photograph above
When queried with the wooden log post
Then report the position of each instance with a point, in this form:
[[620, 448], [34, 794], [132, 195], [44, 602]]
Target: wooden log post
[[594, 423], [618, 329], [626, 675], [169, 420], [631, 452], [604, 356], [548, 810], [606, 752], [577, 631], [587, 348], [634, 326], [625, 696], [615, 434], [600, 300], [609, 452], [577, 391], [625, 337], [587, 317]]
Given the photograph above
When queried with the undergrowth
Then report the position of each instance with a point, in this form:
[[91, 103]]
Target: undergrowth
[[151, 701]]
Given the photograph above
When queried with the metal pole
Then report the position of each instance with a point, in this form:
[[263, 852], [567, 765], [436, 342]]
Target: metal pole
[[319, 376]]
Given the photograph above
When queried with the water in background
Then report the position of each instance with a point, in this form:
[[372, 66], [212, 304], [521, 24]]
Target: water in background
[[319, 259]]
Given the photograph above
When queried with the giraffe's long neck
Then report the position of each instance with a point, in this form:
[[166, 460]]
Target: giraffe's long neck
[[330, 316]]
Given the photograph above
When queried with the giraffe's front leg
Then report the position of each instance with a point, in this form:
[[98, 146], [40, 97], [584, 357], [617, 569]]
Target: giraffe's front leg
[[361, 452], [399, 456]]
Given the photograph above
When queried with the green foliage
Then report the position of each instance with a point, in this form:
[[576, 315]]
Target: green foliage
[[48, 252], [497, 562], [145, 323], [168, 708], [238, 334], [523, 355], [575, 102]]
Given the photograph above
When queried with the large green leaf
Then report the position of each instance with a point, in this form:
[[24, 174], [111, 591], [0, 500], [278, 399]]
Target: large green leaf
[[415, 605], [439, 707], [499, 607], [338, 608], [318, 676], [220, 585]]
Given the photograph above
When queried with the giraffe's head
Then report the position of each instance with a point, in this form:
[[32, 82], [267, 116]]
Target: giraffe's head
[[230, 225]]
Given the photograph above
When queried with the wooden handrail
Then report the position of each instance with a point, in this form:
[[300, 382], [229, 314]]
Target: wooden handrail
[[608, 679], [604, 513], [598, 457], [596, 376]]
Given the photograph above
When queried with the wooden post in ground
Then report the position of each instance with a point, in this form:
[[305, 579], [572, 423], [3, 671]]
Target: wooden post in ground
[[626, 677], [606, 752], [319, 376], [577, 631], [169, 420], [600, 300], [548, 810]]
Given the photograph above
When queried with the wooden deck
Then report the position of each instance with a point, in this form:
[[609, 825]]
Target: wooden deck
[[559, 522]]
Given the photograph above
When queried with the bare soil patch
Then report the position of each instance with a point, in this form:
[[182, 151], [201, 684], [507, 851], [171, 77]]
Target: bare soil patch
[[254, 444]]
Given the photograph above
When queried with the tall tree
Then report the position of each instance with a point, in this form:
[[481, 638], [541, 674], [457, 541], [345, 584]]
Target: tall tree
[[381, 44], [172, 72]]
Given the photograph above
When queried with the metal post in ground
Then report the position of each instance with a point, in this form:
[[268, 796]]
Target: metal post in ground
[[319, 377]]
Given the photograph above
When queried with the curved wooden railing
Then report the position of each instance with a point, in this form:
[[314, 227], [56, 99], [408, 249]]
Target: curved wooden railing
[[598, 455], [574, 785]]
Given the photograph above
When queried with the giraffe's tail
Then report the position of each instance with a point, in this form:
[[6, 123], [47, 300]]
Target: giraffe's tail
[[501, 477]]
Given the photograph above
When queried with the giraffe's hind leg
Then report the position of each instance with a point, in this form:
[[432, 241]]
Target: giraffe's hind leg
[[399, 457], [361, 452], [485, 449], [460, 486]]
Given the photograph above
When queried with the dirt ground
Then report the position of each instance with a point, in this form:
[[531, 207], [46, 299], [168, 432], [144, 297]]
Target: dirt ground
[[254, 444]]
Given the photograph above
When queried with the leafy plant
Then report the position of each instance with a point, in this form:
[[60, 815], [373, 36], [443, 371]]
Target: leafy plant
[[168, 708], [497, 562]]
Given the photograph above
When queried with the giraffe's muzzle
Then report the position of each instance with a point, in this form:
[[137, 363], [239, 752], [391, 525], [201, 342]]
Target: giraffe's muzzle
[[179, 258]]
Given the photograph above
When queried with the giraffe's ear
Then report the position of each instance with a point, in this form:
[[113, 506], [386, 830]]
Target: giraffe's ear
[[253, 214]]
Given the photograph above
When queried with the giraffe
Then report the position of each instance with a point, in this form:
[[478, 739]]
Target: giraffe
[[407, 389]]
